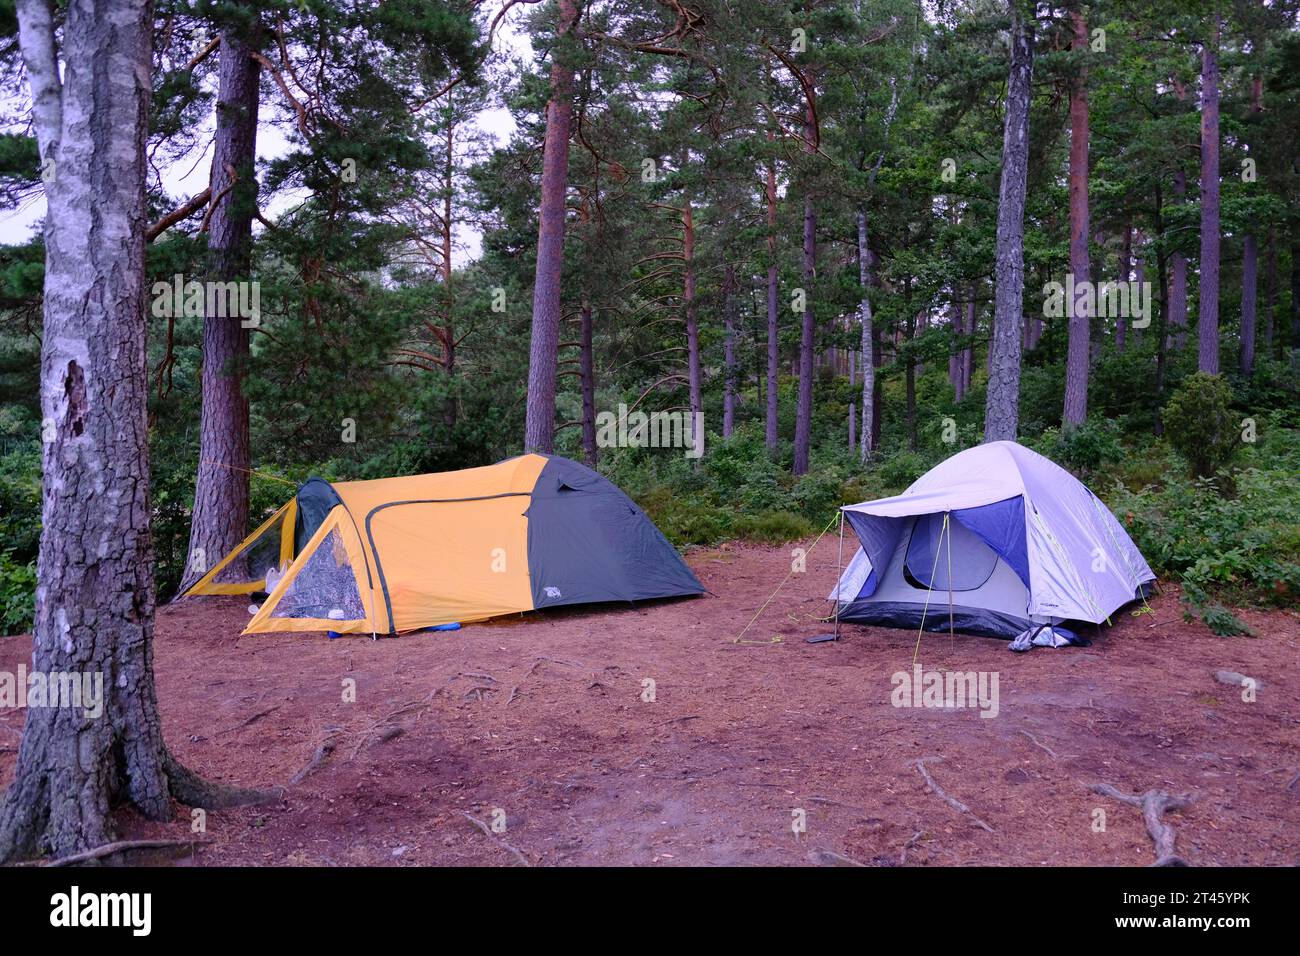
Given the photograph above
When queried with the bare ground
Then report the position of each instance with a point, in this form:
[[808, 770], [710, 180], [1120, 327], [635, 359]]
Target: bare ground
[[540, 721]]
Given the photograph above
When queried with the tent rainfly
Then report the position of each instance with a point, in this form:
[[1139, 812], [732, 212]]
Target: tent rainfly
[[400, 554], [1010, 541]]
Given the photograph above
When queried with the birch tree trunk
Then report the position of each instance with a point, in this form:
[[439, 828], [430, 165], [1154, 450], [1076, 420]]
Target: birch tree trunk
[[773, 345], [95, 595], [539, 421], [1077, 358], [807, 336], [1002, 406], [1208, 318], [219, 520], [867, 440]]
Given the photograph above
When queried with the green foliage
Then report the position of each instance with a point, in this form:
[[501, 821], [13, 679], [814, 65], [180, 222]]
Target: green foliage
[[1200, 424], [1086, 449], [17, 594], [1238, 550]]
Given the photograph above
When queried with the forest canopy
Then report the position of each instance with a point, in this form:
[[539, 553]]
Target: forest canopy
[[842, 239]]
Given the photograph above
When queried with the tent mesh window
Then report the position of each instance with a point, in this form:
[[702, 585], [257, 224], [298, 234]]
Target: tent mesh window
[[325, 588], [254, 561], [973, 561]]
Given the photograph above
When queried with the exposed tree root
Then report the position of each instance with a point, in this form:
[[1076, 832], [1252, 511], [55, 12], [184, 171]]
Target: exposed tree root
[[951, 801], [192, 790], [1154, 804]]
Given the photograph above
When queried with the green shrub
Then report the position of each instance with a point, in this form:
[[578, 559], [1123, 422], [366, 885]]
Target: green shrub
[[1239, 550], [17, 594], [1200, 424], [685, 520], [901, 469], [1085, 449], [773, 527]]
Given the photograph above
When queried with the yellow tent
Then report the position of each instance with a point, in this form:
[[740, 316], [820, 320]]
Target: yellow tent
[[399, 554]]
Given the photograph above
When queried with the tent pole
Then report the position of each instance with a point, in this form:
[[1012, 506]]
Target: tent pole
[[952, 639], [839, 570]]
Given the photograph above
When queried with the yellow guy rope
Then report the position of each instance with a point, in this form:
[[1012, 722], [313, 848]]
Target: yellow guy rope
[[770, 597], [930, 590]]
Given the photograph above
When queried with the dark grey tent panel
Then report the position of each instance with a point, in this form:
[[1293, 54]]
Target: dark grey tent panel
[[316, 499], [587, 541]]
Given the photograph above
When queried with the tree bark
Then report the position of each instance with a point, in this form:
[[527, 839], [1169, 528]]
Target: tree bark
[[539, 421], [690, 307], [1002, 406], [1208, 318], [1125, 267], [95, 598], [867, 441], [729, 289], [1270, 289], [1249, 257], [587, 373], [773, 343], [1077, 359], [220, 517], [803, 410]]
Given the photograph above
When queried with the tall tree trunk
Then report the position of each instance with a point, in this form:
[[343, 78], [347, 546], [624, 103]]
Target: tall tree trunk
[[691, 309], [1177, 313], [1002, 406], [587, 374], [968, 352], [539, 423], [867, 441], [773, 343], [220, 516], [1178, 278], [803, 410], [729, 289], [1249, 256], [1295, 292], [95, 600], [877, 389], [1208, 319], [449, 300], [909, 367], [1077, 355], [1125, 267], [1270, 289]]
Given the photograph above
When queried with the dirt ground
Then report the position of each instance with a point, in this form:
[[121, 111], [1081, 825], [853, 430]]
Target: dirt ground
[[539, 723]]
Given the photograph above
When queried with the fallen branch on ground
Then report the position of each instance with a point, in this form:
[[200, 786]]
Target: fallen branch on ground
[[830, 858], [110, 849], [1154, 804], [902, 857], [1043, 747], [322, 754], [487, 832], [951, 801]]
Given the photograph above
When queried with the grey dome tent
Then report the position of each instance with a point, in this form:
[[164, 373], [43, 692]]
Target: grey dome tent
[[1012, 541]]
